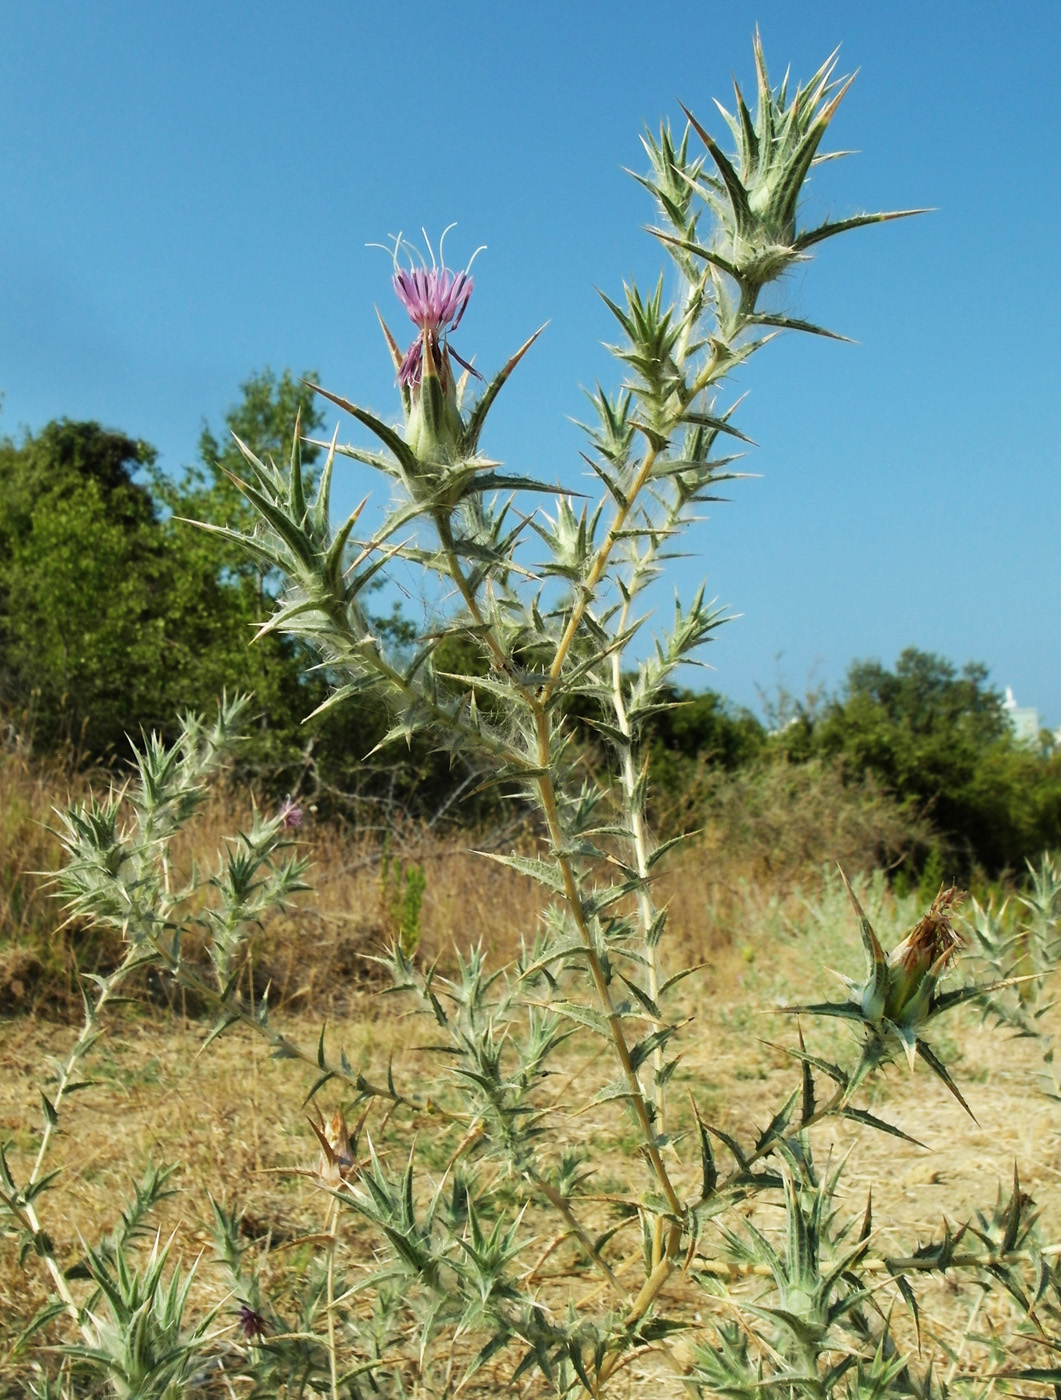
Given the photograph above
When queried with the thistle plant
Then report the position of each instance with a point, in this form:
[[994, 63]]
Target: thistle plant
[[668, 1286], [1019, 941], [901, 995]]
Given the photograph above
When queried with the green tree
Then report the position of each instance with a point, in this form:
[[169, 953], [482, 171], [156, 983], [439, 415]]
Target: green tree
[[115, 614], [697, 734], [939, 739], [81, 573]]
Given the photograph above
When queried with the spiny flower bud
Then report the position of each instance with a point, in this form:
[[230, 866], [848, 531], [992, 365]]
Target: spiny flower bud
[[755, 194], [899, 992], [338, 1148]]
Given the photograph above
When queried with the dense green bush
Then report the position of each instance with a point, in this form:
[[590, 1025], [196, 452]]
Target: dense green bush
[[116, 613], [939, 740], [113, 614]]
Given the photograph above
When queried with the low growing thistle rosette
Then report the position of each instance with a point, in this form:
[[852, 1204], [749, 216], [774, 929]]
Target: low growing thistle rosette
[[901, 994]]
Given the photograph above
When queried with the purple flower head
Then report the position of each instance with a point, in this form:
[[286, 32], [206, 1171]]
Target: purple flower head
[[435, 298], [290, 814], [250, 1323]]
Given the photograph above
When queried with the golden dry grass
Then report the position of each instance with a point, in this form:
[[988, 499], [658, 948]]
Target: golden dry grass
[[762, 836], [236, 1123]]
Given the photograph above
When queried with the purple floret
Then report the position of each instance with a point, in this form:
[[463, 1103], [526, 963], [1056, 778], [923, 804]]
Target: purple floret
[[434, 297]]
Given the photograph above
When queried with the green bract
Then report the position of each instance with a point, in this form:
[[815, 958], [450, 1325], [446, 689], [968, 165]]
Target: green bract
[[755, 195]]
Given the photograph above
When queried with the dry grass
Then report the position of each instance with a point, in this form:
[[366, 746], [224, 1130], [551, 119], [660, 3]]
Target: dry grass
[[763, 836], [317, 954], [36, 957], [236, 1122]]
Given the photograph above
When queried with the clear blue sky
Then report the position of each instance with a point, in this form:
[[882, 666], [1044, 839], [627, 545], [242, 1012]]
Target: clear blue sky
[[189, 189]]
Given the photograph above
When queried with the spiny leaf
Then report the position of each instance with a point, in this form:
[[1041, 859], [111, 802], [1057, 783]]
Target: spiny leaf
[[708, 1167], [640, 1052], [910, 1299], [849, 1010], [778, 1123], [859, 1115], [390, 439], [738, 196], [790, 323], [828, 230], [939, 1069], [584, 1015], [542, 872]]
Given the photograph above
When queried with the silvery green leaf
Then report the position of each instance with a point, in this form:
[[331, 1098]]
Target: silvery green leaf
[[541, 872], [585, 1016]]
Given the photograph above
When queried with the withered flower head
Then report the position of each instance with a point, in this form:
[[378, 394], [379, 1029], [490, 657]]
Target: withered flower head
[[338, 1147], [925, 951], [900, 995]]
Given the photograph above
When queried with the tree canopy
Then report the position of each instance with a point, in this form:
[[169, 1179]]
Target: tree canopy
[[939, 739], [114, 612]]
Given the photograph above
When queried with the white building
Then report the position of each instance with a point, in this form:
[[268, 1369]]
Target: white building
[[1023, 718]]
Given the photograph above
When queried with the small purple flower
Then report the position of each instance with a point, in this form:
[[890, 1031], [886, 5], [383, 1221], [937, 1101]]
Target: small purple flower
[[290, 814], [435, 298], [250, 1323]]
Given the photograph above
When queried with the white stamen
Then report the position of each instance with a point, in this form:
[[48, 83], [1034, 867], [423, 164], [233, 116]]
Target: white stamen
[[442, 240]]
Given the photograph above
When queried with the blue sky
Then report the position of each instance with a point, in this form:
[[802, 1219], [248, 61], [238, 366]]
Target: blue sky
[[189, 189]]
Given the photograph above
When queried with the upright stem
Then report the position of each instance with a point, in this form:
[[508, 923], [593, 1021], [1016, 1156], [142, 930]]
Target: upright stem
[[573, 899], [641, 840], [597, 570], [88, 1031], [330, 1226], [32, 1220], [471, 602], [550, 810]]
